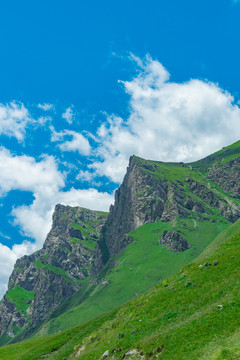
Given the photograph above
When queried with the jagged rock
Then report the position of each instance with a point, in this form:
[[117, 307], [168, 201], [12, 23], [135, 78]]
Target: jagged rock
[[227, 208], [204, 193], [75, 233], [174, 241], [192, 204], [53, 273], [227, 176], [9, 317], [140, 199], [94, 236], [174, 206]]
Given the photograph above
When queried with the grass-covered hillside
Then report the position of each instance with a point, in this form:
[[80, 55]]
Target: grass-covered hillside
[[137, 268], [191, 315]]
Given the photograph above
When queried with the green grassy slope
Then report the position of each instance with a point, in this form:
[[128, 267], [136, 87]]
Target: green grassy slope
[[137, 268], [20, 297], [220, 157], [191, 315]]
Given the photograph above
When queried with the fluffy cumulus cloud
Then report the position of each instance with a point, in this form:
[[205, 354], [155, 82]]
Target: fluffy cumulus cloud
[[14, 118], [25, 173], [68, 115], [168, 121], [43, 179], [77, 141]]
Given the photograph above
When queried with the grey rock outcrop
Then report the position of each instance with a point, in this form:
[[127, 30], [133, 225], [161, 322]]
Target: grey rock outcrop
[[227, 176], [53, 273], [139, 200], [174, 241]]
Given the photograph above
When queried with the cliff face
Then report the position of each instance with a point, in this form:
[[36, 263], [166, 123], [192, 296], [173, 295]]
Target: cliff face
[[227, 176], [139, 199], [168, 191], [41, 281]]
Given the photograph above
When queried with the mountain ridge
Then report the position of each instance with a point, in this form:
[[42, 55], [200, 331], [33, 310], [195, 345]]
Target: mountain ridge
[[166, 213]]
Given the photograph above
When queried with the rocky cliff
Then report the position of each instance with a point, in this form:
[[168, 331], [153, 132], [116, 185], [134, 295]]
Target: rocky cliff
[[227, 175], [154, 190], [41, 281], [139, 199]]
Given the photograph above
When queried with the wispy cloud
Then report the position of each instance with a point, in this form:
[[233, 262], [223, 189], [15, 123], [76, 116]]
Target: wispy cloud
[[42, 120], [4, 236], [46, 106]]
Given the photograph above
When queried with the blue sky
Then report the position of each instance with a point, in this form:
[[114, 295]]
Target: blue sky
[[84, 85]]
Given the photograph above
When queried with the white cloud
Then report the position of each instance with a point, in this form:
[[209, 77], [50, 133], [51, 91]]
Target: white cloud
[[46, 106], [85, 175], [14, 118], [25, 173], [77, 143], [68, 115], [46, 183], [42, 120], [168, 121]]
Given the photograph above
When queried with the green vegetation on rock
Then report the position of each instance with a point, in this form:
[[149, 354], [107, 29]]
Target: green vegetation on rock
[[55, 269], [21, 298]]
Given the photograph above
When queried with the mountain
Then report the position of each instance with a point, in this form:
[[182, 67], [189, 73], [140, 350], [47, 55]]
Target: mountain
[[41, 281], [164, 216], [168, 191], [191, 315]]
